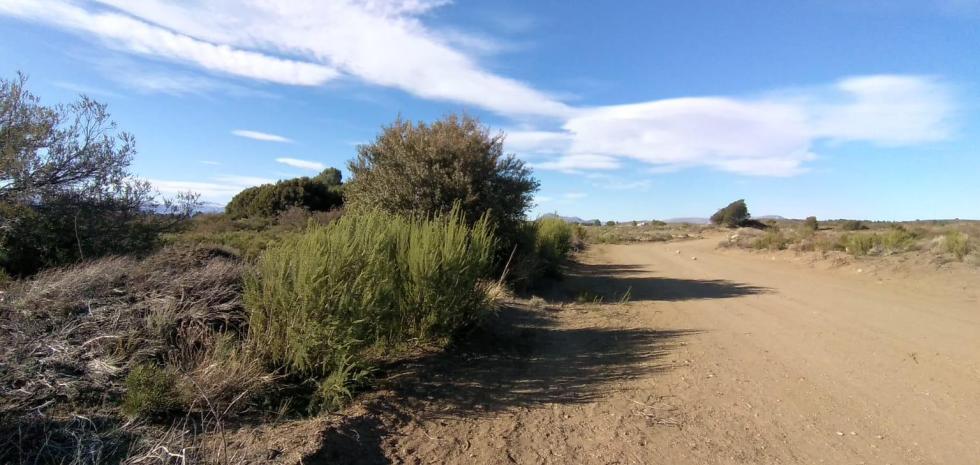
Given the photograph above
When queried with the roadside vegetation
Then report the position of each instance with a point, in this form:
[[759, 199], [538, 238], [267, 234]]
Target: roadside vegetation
[[947, 240], [136, 330], [640, 231]]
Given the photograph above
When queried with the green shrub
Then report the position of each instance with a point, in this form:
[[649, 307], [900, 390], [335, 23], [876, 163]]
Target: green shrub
[[247, 244], [249, 237], [269, 200], [853, 225], [553, 243], [858, 244], [956, 243], [539, 250], [898, 239], [321, 300], [150, 391], [810, 223], [773, 239]]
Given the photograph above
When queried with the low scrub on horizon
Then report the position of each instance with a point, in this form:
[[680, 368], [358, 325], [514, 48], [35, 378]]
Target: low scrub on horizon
[[953, 240]]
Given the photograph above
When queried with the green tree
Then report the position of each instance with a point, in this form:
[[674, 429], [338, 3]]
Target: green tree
[[733, 215], [66, 192], [425, 169], [810, 223], [320, 193], [330, 177]]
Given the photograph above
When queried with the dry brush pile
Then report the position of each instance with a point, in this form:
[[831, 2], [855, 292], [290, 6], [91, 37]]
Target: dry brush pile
[[72, 339]]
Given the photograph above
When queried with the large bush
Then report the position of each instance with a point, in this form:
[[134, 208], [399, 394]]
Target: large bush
[[320, 193], [320, 301], [733, 215], [66, 192], [419, 168]]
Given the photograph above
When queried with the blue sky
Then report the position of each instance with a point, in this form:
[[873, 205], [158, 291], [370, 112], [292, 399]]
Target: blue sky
[[626, 110]]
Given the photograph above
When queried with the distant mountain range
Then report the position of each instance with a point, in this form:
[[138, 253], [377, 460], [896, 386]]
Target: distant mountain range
[[691, 220], [211, 207], [567, 219]]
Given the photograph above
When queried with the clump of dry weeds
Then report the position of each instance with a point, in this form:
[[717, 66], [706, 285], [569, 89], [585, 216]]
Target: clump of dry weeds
[[69, 338]]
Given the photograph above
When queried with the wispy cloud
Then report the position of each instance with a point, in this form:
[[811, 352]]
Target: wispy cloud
[[141, 37], [262, 136], [86, 89], [219, 189], [302, 164], [380, 42], [771, 136], [619, 185]]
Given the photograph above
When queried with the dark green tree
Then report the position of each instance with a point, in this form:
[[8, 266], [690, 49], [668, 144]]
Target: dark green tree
[[733, 215], [320, 193], [425, 169]]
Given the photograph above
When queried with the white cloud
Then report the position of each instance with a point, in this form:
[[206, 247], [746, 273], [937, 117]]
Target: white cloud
[[619, 185], [136, 36], [382, 42], [244, 181], [219, 189], [262, 136], [887, 110], [302, 164], [770, 136], [575, 162], [386, 43]]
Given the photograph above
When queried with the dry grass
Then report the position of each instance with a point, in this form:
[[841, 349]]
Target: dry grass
[[70, 337], [641, 232], [948, 241]]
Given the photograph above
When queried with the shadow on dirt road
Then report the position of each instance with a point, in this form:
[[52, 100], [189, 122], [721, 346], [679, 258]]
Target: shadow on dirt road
[[521, 358], [613, 282]]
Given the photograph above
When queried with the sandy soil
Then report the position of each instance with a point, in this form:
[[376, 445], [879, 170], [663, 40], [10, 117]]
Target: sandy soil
[[719, 357]]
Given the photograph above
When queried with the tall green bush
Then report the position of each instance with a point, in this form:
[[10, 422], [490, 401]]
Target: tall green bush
[[553, 241], [320, 301]]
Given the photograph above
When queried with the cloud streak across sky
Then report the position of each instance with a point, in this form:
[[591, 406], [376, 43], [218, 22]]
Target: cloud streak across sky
[[302, 164], [769, 136], [261, 136], [386, 43]]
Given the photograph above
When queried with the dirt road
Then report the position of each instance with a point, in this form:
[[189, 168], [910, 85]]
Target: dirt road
[[731, 357]]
